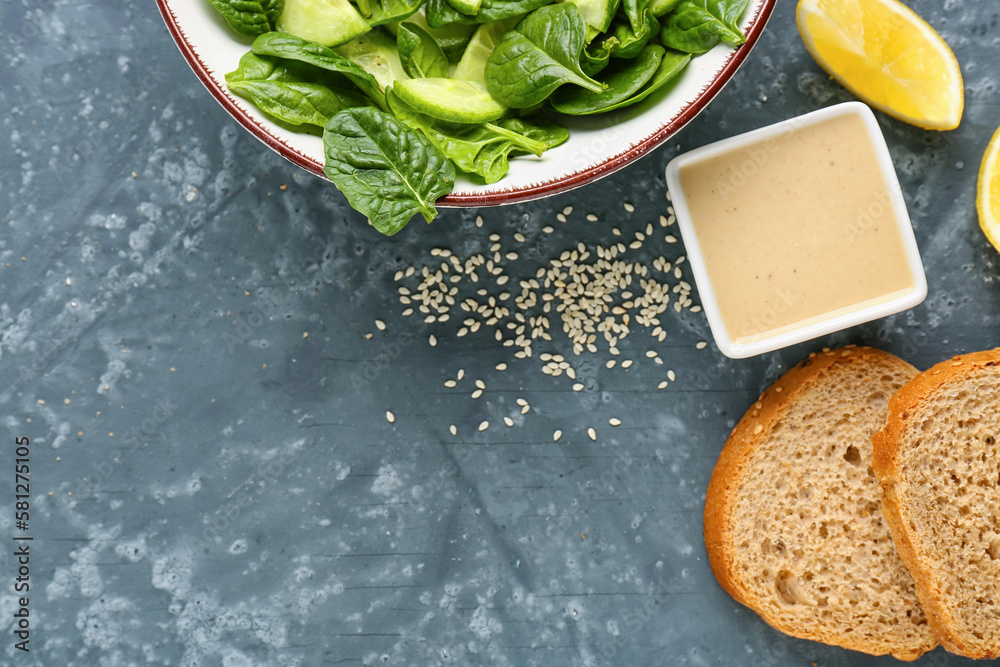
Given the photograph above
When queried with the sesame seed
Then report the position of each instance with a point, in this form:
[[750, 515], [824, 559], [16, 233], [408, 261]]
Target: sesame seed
[[610, 364], [450, 384], [560, 217], [626, 363], [628, 207], [521, 401], [671, 375], [480, 384], [577, 387], [477, 393], [701, 345], [380, 325], [614, 421], [432, 339], [453, 429], [460, 374], [508, 421], [556, 435], [501, 366], [591, 217], [484, 425], [567, 210], [651, 353], [389, 417], [479, 221], [592, 434], [662, 385]]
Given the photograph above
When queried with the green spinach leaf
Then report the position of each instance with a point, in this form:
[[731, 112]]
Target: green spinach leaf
[[382, 12], [249, 17], [475, 148], [282, 45], [387, 171], [539, 55], [538, 128], [420, 54], [670, 68], [624, 79], [696, 26], [628, 44], [298, 102], [633, 12], [440, 13]]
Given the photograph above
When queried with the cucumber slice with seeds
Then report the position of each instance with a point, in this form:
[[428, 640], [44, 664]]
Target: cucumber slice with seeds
[[326, 22], [449, 99]]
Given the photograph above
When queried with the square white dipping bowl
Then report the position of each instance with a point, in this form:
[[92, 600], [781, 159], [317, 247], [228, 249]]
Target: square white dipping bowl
[[796, 230]]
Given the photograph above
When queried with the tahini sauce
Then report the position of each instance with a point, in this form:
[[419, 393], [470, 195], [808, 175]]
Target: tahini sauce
[[796, 228]]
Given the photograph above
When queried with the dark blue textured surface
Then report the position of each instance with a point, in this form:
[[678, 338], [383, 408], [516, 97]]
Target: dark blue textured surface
[[183, 320]]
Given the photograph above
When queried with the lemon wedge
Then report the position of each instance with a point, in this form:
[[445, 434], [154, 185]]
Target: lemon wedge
[[988, 192], [888, 56]]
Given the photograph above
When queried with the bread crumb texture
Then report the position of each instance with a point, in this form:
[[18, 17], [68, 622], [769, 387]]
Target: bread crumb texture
[[794, 515], [942, 475]]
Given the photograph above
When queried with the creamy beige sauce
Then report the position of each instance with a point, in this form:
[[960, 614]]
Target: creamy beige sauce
[[797, 228]]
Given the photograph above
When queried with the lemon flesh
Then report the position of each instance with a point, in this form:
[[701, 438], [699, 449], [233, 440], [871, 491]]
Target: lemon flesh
[[988, 192], [888, 56]]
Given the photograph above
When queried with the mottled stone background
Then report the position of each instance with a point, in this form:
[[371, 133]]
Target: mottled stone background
[[184, 320]]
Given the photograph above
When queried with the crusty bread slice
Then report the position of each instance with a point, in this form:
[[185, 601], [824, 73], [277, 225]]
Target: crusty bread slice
[[793, 521], [938, 459]]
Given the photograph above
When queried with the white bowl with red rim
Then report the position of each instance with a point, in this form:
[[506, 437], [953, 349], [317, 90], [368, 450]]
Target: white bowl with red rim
[[598, 145]]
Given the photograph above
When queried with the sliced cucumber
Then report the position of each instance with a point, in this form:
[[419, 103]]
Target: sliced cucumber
[[376, 53], [326, 22], [467, 7], [451, 100], [473, 62], [597, 14]]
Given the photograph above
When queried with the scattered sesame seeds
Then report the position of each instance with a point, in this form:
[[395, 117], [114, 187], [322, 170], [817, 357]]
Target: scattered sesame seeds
[[389, 417]]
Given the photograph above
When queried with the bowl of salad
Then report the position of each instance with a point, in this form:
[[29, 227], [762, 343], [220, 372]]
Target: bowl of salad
[[407, 105]]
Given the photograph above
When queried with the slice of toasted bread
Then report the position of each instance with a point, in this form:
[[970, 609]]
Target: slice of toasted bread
[[793, 521], [938, 459]]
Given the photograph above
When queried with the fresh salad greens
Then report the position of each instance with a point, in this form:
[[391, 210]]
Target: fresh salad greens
[[407, 92]]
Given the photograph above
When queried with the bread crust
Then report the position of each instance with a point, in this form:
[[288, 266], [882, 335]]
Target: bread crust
[[736, 455], [886, 445]]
